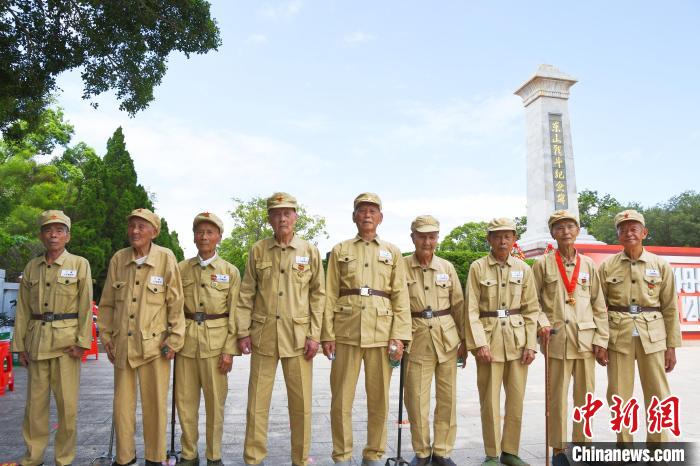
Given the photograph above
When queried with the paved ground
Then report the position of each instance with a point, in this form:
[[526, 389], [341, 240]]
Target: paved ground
[[96, 401]]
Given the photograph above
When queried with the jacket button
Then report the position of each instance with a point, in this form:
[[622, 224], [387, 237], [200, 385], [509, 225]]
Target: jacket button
[[366, 264], [284, 249], [363, 307], [566, 321], [67, 281], [131, 316], [133, 300], [129, 334], [202, 285], [503, 284], [503, 324], [201, 304], [430, 326], [503, 304], [48, 266], [281, 270], [633, 300], [48, 284], [46, 304], [278, 317], [634, 281], [43, 323], [153, 334], [280, 293], [138, 267], [138, 282], [198, 323], [427, 288]]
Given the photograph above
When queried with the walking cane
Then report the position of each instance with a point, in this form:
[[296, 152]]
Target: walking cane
[[398, 460], [546, 398], [172, 453], [107, 458]]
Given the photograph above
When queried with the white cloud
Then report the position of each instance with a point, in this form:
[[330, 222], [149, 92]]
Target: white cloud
[[358, 37], [256, 39], [281, 10]]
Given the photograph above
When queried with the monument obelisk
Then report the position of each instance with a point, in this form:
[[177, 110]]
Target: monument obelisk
[[551, 179]]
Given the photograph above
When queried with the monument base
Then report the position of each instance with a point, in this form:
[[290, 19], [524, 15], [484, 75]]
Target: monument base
[[534, 245]]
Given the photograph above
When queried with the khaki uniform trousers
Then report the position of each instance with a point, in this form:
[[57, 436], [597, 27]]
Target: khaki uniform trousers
[[298, 379], [60, 375], [154, 381], [560, 372], [512, 375], [194, 376], [345, 371], [419, 378], [652, 374]]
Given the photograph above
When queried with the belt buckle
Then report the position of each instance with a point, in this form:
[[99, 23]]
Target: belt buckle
[[364, 291], [48, 317], [502, 313], [427, 314], [634, 309], [199, 317]]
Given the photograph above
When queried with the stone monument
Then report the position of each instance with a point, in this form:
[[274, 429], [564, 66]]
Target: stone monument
[[551, 179]]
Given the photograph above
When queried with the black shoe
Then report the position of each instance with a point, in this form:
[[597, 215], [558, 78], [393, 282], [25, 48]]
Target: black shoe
[[153, 463], [215, 463], [184, 462], [126, 464], [442, 461], [418, 461], [560, 459]]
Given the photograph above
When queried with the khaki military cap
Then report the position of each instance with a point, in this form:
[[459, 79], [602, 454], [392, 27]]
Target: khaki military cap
[[367, 197], [53, 216], [147, 215], [208, 217], [503, 223], [558, 215], [280, 200], [425, 224], [629, 215]]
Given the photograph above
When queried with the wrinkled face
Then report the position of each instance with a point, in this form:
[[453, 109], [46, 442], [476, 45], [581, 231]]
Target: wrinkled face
[[367, 217], [425, 242], [206, 237], [631, 233], [282, 220], [140, 232], [54, 237], [565, 232], [501, 241]]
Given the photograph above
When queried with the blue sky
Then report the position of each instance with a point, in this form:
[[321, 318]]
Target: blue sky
[[414, 101]]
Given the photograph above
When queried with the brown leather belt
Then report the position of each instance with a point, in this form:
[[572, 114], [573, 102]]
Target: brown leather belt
[[50, 316], [429, 313], [202, 316], [502, 313], [364, 291], [633, 309]]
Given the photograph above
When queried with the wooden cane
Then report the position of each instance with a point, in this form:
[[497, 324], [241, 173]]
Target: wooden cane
[[546, 397]]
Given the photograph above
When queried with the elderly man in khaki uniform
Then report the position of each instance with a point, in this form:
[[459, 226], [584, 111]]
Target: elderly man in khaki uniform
[[437, 311], [367, 315], [210, 286], [53, 327], [141, 327], [572, 303], [279, 317], [644, 324], [502, 311]]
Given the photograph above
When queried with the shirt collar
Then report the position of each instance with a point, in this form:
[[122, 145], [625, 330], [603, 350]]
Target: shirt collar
[[295, 243], [644, 257], [149, 258], [375, 240], [433, 262], [59, 260], [210, 261], [492, 260]]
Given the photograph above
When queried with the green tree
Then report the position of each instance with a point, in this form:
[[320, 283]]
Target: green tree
[[470, 236], [250, 225], [119, 45], [591, 205], [675, 222]]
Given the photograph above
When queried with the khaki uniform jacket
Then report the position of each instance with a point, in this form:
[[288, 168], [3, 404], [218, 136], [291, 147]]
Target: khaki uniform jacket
[[212, 289], [436, 287], [366, 321], [648, 282], [282, 297], [141, 306], [492, 286], [63, 287], [581, 325]]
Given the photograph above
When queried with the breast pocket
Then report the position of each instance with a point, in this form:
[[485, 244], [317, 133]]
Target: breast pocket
[[443, 288], [217, 296], [155, 295], [119, 289], [348, 267], [652, 287], [488, 288], [188, 288], [263, 272], [583, 287], [67, 286], [615, 289], [301, 273], [33, 287], [384, 268], [516, 290]]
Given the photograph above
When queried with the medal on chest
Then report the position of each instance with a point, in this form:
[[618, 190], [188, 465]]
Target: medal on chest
[[570, 285]]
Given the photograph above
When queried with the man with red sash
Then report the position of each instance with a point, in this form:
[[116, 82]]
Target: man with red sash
[[572, 303]]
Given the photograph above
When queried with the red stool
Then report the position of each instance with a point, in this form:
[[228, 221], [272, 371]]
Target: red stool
[[7, 377], [93, 345]]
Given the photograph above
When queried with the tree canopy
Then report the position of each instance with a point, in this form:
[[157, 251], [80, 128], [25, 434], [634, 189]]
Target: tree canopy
[[119, 45], [250, 225]]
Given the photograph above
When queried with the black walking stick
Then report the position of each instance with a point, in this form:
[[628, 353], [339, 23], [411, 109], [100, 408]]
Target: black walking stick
[[546, 397], [398, 460], [172, 453], [107, 458]]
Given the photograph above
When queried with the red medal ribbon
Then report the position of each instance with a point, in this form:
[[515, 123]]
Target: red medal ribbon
[[569, 285]]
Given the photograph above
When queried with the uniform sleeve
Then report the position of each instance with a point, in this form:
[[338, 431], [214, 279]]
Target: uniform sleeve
[[105, 318], [530, 309], [230, 346], [600, 311], [22, 313], [84, 305], [400, 302], [538, 271], [246, 297], [317, 297], [174, 303], [474, 330], [669, 309], [332, 290], [457, 303]]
